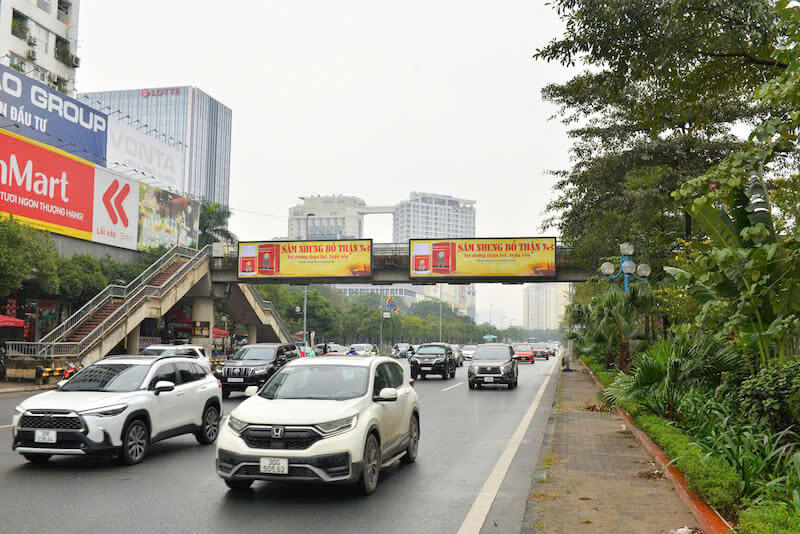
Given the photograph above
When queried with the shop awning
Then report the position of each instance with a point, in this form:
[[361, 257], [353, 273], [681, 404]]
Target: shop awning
[[5, 320], [219, 332]]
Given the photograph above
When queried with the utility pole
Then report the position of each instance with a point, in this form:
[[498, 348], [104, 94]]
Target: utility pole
[[440, 312], [305, 313]]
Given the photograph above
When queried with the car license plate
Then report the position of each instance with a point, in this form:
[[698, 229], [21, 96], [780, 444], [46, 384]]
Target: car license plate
[[275, 466], [488, 379], [426, 368], [45, 436], [236, 380]]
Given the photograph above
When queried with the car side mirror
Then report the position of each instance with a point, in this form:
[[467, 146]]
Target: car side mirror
[[164, 385], [250, 391], [515, 357], [386, 395]]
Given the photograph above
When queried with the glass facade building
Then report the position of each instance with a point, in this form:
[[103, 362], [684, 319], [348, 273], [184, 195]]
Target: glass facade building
[[183, 117]]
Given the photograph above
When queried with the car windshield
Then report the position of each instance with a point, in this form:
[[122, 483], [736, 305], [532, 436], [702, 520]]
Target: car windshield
[[255, 353], [402, 346], [430, 349], [318, 382], [361, 348], [468, 347], [540, 346], [108, 377], [524, 348], [491, 353], [149, 351]]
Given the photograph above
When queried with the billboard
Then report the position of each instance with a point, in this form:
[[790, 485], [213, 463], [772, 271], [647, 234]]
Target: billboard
[[130, 149], [306, 259], [506, 258], [166, 218], [55, 191], [34, 110]]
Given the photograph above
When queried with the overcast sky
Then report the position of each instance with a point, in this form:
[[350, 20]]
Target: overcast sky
[[367, 98]]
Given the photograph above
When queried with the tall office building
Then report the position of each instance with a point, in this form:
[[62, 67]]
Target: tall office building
[[544, 305], [330, 217], [183, 117], [40, 39], [427, 215]]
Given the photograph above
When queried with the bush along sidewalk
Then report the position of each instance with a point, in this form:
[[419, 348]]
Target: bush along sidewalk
[[744, 469]]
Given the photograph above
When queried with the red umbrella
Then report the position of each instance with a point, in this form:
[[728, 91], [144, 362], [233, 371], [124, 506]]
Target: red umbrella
[[5, 320]]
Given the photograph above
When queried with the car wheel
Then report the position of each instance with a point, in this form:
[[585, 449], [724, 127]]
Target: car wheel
[[472, 385], [37, 458], [135, 442], [210, 426], [413, 444], [478, 386], [446, 374], [372, 466], [547, 357], [226, 393], [239, 484], [453, 373], [424, 376]]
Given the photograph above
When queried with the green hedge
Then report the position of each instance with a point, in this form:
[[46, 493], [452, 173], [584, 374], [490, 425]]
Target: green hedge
[[604, 376], [711, 478], [769, 518]]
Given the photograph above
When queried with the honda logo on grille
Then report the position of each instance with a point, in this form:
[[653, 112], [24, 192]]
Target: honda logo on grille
[[277, 432]]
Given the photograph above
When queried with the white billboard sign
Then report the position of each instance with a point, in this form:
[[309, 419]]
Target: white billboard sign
[[116, 210], [130, 149]]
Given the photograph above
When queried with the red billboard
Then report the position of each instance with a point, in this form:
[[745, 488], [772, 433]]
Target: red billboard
[[46, 188]]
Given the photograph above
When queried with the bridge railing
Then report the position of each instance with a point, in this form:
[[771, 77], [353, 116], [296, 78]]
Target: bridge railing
[[268, 306]]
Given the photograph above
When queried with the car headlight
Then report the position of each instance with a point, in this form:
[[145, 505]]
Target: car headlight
[[261, 371], [473, 369], [19, 410], [338, 426], [438, 360], [106, 411], [236, 425], [507, 367]]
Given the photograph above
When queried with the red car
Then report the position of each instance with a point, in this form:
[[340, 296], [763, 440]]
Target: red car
[[541, 350], [524, 353]]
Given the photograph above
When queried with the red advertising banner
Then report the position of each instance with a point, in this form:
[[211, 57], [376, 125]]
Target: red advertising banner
[[46, 188]]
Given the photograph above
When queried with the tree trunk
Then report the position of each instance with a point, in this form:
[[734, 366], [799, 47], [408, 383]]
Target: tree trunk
[[624, 356], [687, 226]]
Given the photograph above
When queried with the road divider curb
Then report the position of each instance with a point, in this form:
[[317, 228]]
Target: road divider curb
[[479, 510], [709, 519]]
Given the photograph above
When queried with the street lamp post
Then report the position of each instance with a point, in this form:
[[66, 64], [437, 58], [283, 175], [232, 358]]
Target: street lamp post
[[305, 294], [627, 267], [440, 312]]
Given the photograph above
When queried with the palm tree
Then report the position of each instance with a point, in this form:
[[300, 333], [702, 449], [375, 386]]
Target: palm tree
[[663, 374], [613, 320], [214, 225]]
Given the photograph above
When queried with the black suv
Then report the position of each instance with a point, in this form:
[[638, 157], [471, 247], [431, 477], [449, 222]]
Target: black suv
[[493, 363], [252, 365], [433, 359]]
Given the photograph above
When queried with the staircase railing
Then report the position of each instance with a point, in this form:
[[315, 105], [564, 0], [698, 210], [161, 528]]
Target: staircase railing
[[268, 306], [134, 298], [115, 291]]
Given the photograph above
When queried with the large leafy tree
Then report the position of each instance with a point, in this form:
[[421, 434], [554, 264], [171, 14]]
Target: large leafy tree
[[214, 225], [28, 258], [666, 81]]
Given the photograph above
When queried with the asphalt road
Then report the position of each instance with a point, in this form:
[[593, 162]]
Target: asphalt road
[[464, 447]]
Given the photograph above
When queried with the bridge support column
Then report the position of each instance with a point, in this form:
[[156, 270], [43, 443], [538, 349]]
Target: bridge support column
[[252, 334], [203, 311], [132, 340]]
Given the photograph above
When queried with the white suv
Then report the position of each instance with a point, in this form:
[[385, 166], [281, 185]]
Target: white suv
[[118, 406], [334, 419], [189, 351]]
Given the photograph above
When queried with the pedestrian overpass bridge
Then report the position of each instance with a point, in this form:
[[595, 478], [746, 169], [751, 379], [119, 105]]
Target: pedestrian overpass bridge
[[116, 313]]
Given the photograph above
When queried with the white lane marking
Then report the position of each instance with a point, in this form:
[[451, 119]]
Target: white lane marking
[[453, 386], [3, 427], [483, 502]]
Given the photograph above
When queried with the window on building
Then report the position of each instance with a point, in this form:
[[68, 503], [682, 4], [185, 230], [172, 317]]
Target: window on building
[[19, 25], [16, 62], [44, 5], [64, 10]]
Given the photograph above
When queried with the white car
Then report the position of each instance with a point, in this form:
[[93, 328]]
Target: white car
[[362, 349], [119, 406], [333, 420], [189, 351]]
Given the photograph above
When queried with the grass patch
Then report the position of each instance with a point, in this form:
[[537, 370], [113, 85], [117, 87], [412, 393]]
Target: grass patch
[[543, 496], [769, 518], [550, 459], [711, 478], [585, 521], [539, 525]]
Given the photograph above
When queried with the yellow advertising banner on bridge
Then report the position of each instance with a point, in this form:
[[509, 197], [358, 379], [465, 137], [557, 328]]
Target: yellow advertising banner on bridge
[[514, 257], [305, 259]]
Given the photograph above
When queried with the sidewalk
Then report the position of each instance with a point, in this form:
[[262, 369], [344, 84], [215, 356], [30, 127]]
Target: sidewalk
[[22, 387], [599, 479]]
